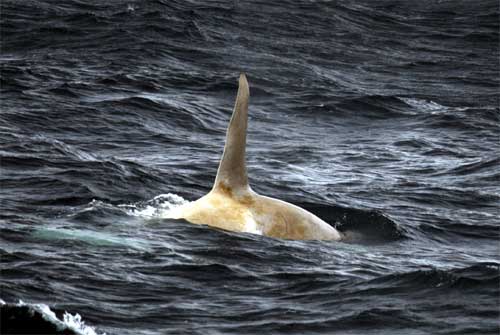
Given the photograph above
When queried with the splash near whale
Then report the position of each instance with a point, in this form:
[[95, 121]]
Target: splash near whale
[[233, 205]]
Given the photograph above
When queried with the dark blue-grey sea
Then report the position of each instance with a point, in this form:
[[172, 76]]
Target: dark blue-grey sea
[[380, 117]]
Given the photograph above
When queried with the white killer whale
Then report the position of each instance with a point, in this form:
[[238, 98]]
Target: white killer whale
[[233, 205]]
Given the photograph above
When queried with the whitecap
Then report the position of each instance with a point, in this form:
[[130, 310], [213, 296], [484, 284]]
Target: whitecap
[[75, 323], [70, 321]]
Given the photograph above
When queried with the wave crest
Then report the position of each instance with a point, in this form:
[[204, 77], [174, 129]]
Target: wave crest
[[29, 318]]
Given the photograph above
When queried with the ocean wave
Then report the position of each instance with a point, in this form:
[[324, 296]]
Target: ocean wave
[[451, 229], [481, 275], [38, 318], [482, 166], [374, 106], [113, 113]]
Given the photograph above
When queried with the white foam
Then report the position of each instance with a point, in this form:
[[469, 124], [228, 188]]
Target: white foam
[[72, 322], [158, 207], [75, 323], [95, 204]]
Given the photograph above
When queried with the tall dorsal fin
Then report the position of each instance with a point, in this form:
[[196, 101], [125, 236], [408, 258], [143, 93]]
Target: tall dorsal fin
[[232, 172]]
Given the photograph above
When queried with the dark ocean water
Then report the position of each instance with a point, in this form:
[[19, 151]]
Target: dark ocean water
[[380, 117]]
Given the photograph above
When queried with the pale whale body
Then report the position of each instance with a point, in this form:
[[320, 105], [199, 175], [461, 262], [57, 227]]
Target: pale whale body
[[232, 205]]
